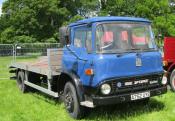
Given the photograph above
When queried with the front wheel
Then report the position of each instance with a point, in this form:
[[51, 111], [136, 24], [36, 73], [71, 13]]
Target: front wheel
[[71, 102], [172, 81]]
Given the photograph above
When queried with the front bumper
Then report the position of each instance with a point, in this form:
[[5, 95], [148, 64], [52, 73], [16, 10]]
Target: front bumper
[[126, 97]]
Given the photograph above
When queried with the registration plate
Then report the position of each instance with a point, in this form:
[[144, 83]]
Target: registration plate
[[138, 96]]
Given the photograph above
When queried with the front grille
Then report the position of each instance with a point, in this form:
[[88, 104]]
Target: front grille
[[135, 85]]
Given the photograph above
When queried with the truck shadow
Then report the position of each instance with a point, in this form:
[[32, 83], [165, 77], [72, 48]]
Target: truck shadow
[[111, 112], [125, 110], [42, 96]]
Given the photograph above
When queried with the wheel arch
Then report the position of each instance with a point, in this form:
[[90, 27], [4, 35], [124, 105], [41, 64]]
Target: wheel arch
[[74, 79], [171, 68]]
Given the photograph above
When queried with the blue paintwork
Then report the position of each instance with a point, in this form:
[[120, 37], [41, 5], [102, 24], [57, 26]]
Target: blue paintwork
[[107, 66], [125, 66], [109, 18]]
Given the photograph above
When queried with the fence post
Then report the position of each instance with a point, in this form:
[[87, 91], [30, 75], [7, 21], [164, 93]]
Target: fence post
[[13, 53]]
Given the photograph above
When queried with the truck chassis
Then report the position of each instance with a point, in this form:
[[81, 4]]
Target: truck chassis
[[48, 67]]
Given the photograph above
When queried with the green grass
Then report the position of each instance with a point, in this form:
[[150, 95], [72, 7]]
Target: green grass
[[15, 106]]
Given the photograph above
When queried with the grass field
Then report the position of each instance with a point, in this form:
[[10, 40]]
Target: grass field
[[15, 106]]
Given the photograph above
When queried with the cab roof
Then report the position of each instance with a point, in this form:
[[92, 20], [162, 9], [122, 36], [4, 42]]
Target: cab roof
[[108, 18]]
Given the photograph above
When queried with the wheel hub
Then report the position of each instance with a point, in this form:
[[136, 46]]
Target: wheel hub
[[69, 101]]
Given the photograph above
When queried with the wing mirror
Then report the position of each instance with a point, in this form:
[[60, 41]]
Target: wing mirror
[[64, 36]]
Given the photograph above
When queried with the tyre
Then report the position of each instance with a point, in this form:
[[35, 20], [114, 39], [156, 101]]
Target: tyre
[[71, 101], [172, 80], [20, 82]]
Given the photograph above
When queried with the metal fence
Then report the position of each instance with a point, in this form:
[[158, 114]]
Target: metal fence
[[6, 50], [25, 51], [21, 52]]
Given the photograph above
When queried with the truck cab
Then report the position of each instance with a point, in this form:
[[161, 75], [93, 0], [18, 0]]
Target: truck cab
[[114, 58]]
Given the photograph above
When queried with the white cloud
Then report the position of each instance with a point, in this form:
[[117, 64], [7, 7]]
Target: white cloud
[[0, 9]]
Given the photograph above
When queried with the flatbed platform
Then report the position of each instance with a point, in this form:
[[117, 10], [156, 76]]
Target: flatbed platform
[[49, 65]]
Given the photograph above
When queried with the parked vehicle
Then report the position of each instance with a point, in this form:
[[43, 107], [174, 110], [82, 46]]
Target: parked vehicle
[[169, 60], [104, 60]]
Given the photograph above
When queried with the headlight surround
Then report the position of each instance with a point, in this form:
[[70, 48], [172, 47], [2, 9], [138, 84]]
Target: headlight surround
[[164, 80], [105, 89]]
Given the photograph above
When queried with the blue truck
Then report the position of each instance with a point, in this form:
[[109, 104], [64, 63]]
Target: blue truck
[[102, 61]]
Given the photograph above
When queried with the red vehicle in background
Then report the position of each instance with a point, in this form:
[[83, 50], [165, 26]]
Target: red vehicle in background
[[169, 60]]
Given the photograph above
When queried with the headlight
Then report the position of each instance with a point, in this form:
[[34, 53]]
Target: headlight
[[105, 89], [164, 80], [165, 63]]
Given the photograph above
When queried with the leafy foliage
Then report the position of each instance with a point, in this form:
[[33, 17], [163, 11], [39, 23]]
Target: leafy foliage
[[39, 20]]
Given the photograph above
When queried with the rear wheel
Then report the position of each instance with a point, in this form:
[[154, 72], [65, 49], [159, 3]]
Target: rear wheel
[[20, 82], [71, 101], [172, 81]]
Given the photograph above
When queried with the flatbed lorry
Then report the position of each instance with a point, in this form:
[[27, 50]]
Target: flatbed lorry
[[103, 61]]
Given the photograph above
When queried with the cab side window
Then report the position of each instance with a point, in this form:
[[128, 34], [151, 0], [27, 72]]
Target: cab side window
[[83, 38], [80, 38]]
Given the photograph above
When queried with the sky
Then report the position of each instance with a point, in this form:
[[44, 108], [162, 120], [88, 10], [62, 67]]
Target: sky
[[1, 1]]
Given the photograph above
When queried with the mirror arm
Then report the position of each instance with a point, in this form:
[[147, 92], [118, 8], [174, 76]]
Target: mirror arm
[[73, 53]]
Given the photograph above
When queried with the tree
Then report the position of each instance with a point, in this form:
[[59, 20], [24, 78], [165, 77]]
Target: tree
[[39, 19]]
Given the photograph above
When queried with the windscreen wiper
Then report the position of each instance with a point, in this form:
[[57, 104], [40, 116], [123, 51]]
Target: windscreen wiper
[[134, 49]]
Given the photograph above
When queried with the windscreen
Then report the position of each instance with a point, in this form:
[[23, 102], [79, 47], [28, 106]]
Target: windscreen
[[121, 37]]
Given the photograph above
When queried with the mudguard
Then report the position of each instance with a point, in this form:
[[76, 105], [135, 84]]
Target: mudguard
[[78, 85]]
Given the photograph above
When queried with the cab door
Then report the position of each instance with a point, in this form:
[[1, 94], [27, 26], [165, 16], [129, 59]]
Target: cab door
[[81, 46]]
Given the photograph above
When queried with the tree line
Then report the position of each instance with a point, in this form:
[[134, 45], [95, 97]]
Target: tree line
[[29, 21]]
